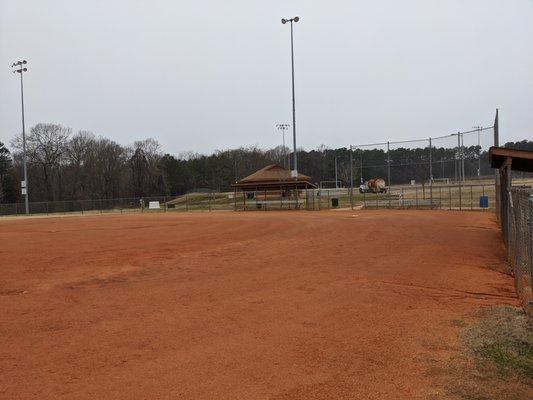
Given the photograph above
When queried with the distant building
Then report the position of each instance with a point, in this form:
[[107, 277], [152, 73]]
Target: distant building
[[271, 186]]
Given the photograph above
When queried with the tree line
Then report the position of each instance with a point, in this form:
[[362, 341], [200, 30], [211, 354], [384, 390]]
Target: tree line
[[63, 165]]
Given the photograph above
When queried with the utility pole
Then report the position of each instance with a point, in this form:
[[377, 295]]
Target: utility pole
[[24, 184], [295, 170]]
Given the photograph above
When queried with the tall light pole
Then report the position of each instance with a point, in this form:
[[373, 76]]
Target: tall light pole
[[295, 170], [19, 68], [283, 128], [478, 128]]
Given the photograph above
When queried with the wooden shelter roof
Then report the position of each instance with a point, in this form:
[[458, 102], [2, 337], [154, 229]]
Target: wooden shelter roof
[[519, 160], [274, 176]]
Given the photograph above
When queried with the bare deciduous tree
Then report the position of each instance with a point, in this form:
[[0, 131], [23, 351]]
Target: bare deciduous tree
[[46, 146]]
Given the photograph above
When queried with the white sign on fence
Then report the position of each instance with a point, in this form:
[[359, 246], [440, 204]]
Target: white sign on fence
[[154, 205]]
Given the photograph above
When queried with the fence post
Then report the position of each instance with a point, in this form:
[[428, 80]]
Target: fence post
[[351, 180], [460, 197], [497, 193], [471, 198], [509, 200], [388, 170], [530, 244], [186, 201], [416, 196], [459, 150], [430, 177]]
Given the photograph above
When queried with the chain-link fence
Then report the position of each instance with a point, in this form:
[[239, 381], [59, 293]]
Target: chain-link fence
[[444, 197], [477, 197], [259, 200], [457, 158], [187, 202], [516, 219]]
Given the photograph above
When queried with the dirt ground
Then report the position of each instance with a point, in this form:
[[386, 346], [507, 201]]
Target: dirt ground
[[258, 305]]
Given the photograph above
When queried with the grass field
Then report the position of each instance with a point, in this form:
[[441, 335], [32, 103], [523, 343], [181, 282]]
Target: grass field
[[280, 305]]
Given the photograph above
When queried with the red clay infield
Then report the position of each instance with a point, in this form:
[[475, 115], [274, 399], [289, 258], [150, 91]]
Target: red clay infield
[[264, 305]]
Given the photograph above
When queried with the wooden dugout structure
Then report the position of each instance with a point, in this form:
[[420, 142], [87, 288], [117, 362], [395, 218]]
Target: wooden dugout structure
[[273, 188], [506, 161]]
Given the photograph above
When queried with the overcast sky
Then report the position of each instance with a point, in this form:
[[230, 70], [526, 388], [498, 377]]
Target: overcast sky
[[201, 75]]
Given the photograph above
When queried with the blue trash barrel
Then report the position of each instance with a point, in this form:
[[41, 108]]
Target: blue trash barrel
[[484, 201]]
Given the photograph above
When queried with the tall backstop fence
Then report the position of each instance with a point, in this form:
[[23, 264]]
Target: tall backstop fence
[[453, 158], [515, 213], [451, 171]]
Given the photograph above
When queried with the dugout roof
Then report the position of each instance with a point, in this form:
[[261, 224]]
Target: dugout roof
[[518, 160], [274, 177]]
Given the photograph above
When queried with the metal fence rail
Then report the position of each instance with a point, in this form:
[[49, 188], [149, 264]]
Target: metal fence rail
[[516, 218]]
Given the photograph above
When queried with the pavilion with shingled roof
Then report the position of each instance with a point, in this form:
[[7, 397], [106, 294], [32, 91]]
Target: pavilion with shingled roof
[[272, 187]]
